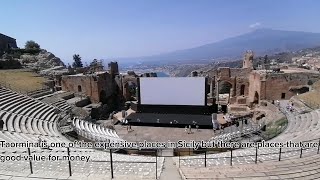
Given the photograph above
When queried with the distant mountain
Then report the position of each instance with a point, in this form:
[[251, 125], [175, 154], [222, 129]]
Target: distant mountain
[[261, 41]]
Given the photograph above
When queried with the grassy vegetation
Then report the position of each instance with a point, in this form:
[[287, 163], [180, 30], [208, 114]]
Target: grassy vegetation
[[312, 98], [21, 80], [275, 128]]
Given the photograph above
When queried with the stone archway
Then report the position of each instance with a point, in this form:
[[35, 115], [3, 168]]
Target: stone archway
[[225, 89], [79, 88], [242, 89], [130, 90], [129, 85], [256, 98]]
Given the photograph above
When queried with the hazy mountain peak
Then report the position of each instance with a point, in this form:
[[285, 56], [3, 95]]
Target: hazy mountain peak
[[261, 41], [264, 30]]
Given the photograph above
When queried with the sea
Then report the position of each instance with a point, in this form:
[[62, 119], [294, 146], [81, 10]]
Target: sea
[[162, 74]]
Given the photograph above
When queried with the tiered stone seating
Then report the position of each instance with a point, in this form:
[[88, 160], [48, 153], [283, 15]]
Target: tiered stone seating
[[39, 93], [57, 99], [28, 128], [62, 104], [27, 119], [94, 132], [24, 114], [302, 127], [235, 134], [304, 168], [58, 102]]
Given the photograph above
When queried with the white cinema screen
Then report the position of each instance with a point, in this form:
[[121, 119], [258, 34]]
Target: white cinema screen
[[172, 91]]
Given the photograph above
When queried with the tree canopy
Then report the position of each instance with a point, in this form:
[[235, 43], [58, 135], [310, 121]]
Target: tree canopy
[[96, 65], [31, 45], [77, 61], [266, 60]]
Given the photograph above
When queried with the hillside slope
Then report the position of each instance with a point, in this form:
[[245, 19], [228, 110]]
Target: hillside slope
[[261, 41]]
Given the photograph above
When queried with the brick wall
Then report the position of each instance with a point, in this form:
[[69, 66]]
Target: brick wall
[[277, 86], [254, 86], [5, 41], [90, 85]]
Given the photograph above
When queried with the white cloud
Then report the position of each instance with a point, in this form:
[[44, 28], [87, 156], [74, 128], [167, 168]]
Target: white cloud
[[254, 25]]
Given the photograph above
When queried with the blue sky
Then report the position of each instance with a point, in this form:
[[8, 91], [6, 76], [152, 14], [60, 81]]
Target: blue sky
[[129, 28]]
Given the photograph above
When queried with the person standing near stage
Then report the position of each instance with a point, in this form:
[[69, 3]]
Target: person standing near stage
[[40, 142]]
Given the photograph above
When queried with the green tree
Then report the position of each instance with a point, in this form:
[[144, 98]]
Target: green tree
[[31, 45], [266, 60], [77, 61], [96, 65]]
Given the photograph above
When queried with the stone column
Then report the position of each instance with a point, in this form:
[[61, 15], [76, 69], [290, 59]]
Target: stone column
[[212, 88], [217, 91]]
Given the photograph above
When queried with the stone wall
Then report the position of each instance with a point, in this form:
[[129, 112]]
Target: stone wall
[[237, 77], [250, 86], [239, 72], [259, 85], [128, 80], [106, 84], [6, 42], [255, 86], [242, 86], [248, 60], [9, 64], [93, 85], [113, 68], [278, 86]]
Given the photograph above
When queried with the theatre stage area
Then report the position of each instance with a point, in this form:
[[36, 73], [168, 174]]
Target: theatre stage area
[[162, 134]]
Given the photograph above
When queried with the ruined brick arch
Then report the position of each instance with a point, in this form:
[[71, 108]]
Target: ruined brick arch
[[127, 91], [130, 85], [224, 86], [230, 81], [125, 80]]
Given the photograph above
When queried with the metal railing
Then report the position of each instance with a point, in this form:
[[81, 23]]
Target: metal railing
[[26, 96], [231, 157], [112, 161]]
